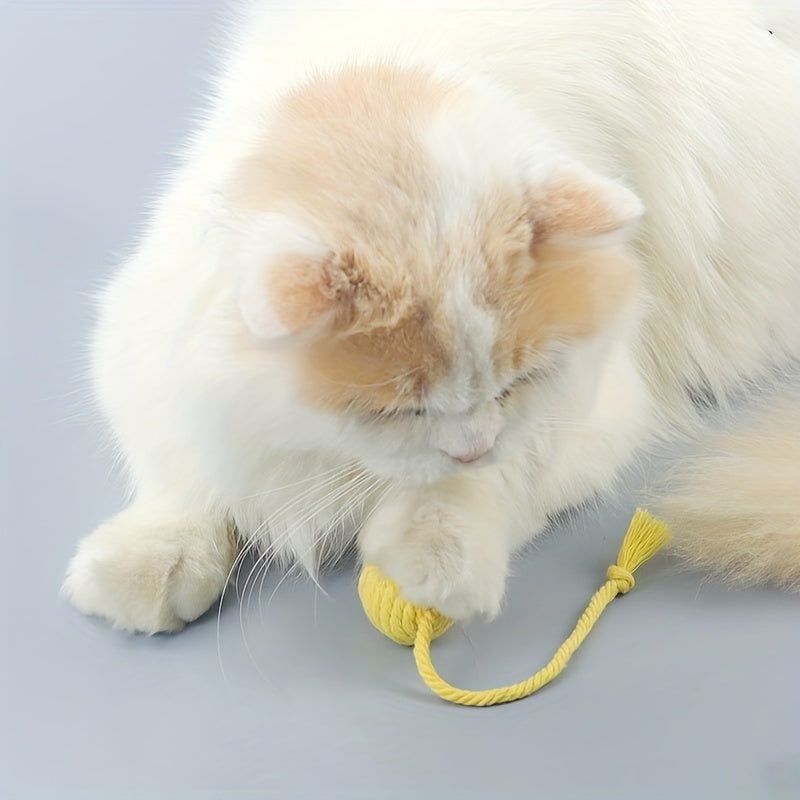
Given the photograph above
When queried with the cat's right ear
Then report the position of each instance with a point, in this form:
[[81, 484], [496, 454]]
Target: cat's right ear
[[576, 205], [288, 282]]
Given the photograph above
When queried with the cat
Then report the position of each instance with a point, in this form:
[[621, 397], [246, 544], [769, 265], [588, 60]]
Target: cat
[[428, 276]]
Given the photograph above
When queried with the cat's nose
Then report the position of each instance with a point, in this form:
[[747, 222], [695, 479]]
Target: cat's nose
[[465, 438], [468, 456]]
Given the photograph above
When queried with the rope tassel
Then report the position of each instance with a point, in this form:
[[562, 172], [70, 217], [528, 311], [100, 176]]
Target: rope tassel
[[408, 624]]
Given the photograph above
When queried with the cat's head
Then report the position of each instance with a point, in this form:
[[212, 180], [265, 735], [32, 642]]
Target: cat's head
[[439, 271]]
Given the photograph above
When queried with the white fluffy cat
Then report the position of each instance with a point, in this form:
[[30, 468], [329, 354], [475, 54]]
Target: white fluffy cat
[[428, 276]]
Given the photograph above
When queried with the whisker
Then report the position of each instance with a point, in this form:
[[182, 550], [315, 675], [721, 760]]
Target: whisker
[[365, 489], [296, 499], [273, 550], [333, 470], [330, 498], [249, 546], [237, 565], [345, 490]]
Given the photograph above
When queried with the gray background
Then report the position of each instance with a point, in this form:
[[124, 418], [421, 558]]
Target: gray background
[[686, 690]]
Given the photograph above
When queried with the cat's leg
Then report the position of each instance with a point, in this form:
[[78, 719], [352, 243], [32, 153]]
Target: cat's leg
[[448, 545], [150, 570]]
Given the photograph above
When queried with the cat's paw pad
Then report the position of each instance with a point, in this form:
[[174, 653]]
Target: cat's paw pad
[[438, 558], [149, 576]]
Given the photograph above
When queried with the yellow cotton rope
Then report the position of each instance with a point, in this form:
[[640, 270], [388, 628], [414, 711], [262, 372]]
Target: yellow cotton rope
[[408, 624]]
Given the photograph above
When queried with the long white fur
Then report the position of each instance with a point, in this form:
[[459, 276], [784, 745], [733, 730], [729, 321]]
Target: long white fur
[[207, 417]]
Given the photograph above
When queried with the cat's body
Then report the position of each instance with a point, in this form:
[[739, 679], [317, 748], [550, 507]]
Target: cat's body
[[444, 271]]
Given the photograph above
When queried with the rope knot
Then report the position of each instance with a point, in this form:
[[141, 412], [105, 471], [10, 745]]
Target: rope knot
[[622, 577]]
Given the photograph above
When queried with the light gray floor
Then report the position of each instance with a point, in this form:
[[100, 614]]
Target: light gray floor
[[686, 690]]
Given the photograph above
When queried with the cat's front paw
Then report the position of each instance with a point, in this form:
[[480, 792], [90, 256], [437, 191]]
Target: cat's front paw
[[150, 574], [439, 554]]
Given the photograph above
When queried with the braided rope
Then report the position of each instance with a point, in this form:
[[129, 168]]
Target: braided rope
[[408, 624]]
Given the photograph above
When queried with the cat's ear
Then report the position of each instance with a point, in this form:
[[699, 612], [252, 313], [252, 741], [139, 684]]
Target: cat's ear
[[289, 281], [575, 205]]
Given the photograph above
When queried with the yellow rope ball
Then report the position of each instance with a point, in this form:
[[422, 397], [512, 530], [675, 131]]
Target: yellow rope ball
[[408, 624], [390, 613]]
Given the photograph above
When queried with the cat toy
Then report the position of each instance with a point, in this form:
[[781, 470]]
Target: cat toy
[[408, 624]]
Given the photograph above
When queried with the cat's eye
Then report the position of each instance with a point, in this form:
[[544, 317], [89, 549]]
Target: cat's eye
[[504, 395], [389, 413], [526, 378]]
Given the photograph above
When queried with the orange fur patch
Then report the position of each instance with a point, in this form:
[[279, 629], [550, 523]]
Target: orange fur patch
[[542, 290], [570, 206], [305, 291], [343, 156], [379, 370], [565, 294]]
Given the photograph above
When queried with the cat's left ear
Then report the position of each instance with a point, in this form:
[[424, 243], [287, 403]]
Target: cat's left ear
[[577, 206], [289, 282]]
